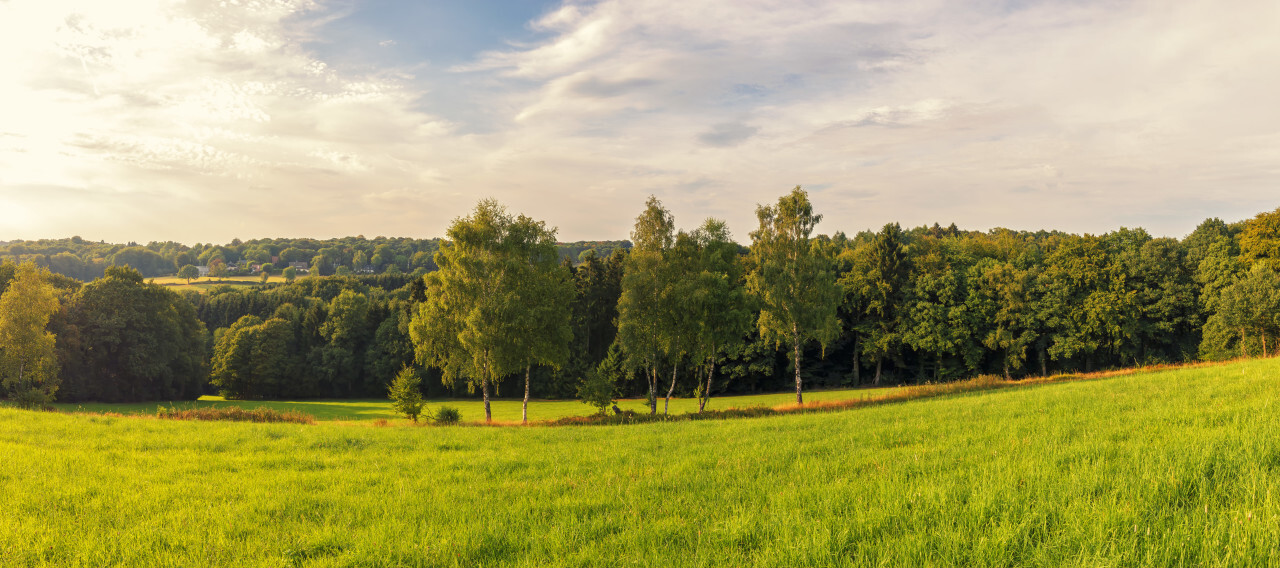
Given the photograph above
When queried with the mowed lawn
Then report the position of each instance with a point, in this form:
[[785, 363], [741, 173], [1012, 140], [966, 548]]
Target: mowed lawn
[[1172, 468], [472, 410]]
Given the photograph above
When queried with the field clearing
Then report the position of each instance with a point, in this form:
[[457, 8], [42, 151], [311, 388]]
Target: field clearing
[[504, 410], [1175, 467], [203, 285]]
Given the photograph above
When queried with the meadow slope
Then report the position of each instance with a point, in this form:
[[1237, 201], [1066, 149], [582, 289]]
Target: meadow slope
[[1162, 468]]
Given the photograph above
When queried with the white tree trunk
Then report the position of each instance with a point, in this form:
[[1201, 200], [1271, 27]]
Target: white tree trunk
[[524, 412], [795, 339], [667, 404]]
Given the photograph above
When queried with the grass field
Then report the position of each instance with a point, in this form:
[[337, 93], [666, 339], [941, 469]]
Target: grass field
[[204, 284], [504, 410], [1169, 468]]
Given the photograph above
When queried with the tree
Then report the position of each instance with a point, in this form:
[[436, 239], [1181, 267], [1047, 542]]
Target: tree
[[134, 341], [251, 358], [599, 386], [598, 285], [793, 278], [406, 393], [218, 269], [290, 274], [541, 292], [189, 273], [642, 304], [883, 289], [1001, 296], [470, 325], [1260, 238], [28, 364], [1248, 308], [715, 300], [346, 333]]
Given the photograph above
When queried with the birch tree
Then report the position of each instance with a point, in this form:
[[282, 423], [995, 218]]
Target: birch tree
[[642, 304], [793, 278], [498, 304], [465, 328], [543, 293], [715, 299]]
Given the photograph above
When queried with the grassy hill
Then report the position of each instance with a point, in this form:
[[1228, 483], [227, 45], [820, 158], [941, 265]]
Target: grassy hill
[[1162, 468]]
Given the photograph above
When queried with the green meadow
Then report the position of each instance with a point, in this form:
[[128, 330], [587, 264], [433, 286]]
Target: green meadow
[[472, 410], [1167, 468], [203, 285]]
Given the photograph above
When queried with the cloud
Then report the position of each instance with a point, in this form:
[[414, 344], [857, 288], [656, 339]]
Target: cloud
[[1076, 115], [727, 134]]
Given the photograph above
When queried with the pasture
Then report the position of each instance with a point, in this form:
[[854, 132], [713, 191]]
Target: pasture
[[1175, 467], [203, 285], [504, 410]]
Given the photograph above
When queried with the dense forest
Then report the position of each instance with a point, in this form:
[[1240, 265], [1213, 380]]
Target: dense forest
[[685, 312]]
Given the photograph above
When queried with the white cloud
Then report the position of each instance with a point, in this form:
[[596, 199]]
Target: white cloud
[[1080, 115]]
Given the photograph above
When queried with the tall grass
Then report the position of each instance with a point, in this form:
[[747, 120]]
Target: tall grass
[[1167, 468], [235, 414]]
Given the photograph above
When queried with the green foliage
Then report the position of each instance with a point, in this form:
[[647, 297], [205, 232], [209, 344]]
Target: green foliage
[[290, 274], [251, 359], [126, 340], [646, 305], [598, 387], [446, 415], [497, 284], [793, 278], [28, 364], [406, 393], [1260, 238], [218, 269], [1247, 316], [715, 307], [189, 273]]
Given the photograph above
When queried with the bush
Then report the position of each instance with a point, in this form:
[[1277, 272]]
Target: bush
[[446, 415], [596, 389], [598, 386]]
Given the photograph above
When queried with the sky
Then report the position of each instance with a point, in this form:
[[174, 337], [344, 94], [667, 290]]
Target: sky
[[208, 120]]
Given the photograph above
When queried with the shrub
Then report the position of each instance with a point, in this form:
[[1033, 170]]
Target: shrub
[[596, 389], [406, 393], [446, 415]]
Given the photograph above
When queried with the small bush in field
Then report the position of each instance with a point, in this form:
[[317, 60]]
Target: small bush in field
[[446, 415]]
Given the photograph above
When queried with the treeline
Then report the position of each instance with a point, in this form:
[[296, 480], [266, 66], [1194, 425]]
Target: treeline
[[679, 312], [86, 261]]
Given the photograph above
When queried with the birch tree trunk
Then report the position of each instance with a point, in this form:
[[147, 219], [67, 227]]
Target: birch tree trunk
[[795, 340], [484, 388], [879, 364], [671, 390], [524, 412], [706, 394], [653, 389]]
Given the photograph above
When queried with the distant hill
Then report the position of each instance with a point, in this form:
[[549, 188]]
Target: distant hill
[[85, 260]]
